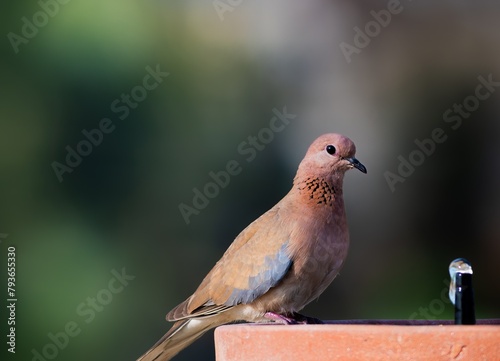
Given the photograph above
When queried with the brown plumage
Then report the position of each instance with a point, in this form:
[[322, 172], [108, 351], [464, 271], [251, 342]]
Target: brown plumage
[[280, 262]]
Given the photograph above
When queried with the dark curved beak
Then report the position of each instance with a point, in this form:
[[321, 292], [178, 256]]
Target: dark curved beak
[[356, 164]]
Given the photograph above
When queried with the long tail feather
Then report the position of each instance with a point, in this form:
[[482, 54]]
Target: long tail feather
[[181, 335]]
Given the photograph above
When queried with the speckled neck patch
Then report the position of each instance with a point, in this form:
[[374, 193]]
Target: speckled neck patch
[[318, 190]]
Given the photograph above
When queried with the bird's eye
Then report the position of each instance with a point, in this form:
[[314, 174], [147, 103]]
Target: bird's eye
[[330, 149]]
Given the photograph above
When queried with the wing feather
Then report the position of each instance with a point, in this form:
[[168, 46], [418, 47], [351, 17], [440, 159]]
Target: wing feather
[[256, 261]]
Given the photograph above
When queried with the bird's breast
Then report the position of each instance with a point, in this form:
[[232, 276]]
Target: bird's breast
[[323, 254], [317, 259]]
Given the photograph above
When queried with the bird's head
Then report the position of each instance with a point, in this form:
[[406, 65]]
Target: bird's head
[[330, 156]]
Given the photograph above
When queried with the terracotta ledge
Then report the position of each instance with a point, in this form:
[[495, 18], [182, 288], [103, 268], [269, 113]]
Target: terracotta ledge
[[384, 340]]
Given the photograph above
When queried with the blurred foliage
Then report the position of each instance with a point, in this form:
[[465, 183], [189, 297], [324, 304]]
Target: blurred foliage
[[119, 207]]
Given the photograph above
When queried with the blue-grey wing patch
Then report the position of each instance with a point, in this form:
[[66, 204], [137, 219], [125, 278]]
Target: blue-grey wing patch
[[275, 268]]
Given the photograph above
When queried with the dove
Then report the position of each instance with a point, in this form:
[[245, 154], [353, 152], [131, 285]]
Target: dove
[[281, 262]]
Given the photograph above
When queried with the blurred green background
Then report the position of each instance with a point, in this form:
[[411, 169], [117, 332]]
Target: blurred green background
[[229, 66]]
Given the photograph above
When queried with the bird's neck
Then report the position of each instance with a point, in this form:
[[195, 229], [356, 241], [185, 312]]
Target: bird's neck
[[318, 191]]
